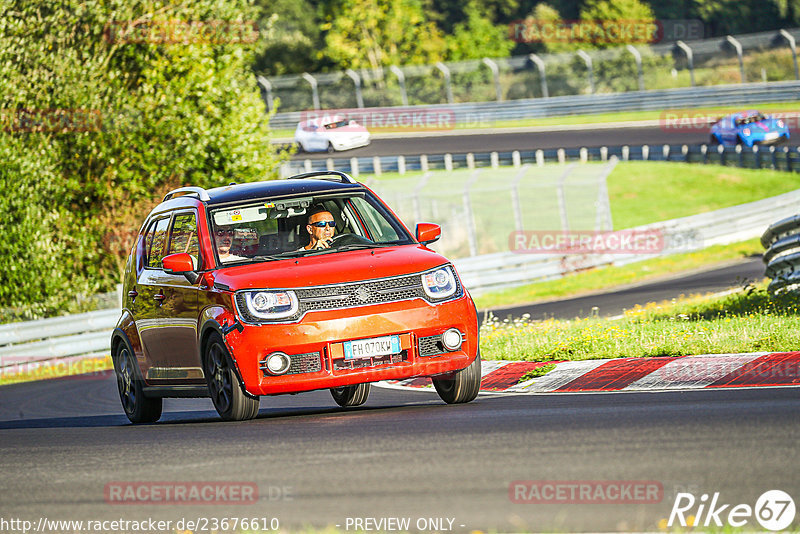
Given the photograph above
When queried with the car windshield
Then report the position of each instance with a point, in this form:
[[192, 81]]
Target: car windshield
[[756, 117], [272, 229], [337, 124]]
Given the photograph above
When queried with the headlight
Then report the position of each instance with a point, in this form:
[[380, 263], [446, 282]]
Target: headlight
[[440, 283], [271, 304]]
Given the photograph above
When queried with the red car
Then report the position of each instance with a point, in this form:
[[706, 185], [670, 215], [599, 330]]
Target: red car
[[287, 286]]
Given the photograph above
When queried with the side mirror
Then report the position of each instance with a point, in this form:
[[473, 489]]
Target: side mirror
[[181, 263], [427, 233]]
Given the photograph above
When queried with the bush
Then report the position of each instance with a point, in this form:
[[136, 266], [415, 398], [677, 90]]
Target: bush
[[97, 128]]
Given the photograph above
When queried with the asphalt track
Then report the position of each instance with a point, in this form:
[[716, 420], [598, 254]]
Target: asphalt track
[[405, 454], [609, 303], [507, 142]]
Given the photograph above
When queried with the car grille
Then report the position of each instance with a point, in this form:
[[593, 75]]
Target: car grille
[[334, 297], [375, 361], [430, 346], [301, 363]]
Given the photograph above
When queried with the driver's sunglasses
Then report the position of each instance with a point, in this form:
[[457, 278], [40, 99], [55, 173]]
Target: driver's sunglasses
[[323, 224]]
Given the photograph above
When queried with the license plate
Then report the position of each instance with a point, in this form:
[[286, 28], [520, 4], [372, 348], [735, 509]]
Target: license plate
[[367, 348]]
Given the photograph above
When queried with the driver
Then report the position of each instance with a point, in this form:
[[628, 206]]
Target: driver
[[321, 226]]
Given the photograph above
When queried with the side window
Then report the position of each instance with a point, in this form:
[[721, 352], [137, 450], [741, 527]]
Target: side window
[[377, 225], [143, 247], [156, 248], [184, 236]]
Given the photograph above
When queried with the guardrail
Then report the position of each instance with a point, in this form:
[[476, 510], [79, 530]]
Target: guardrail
[[783, 158], [486, 114], [83, 335], [782, 257]]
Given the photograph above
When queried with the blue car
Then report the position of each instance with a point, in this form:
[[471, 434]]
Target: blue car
[[749, 128]]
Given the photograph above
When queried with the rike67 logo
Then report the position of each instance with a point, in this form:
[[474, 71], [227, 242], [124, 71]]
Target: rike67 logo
[[774, 510]]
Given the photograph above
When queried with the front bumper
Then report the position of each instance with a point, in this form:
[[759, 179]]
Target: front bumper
[[315, 345]]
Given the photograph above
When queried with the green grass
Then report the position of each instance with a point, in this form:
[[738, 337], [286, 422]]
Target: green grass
[[642, 193], [615, 276], [645, 192], [745, 321], [53, 369]]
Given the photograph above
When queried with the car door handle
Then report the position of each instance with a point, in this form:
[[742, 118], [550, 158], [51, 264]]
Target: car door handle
[[159, 297], [133, 293]]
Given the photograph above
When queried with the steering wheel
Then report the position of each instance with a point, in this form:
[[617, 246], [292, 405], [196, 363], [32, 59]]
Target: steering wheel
[[347, 239]]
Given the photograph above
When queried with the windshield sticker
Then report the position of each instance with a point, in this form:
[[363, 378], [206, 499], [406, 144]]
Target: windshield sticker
[[239, 215]]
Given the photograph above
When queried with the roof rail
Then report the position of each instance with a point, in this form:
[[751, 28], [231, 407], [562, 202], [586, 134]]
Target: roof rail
[[191, 190], [343, 176]]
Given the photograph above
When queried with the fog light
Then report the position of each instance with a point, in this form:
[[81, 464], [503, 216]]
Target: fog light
[[278, 363], [451, 339]]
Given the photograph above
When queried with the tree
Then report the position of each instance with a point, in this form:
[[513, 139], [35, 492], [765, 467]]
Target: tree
[[105, 106], [377, 33], [478, 36], [294, 42], [617, 22]]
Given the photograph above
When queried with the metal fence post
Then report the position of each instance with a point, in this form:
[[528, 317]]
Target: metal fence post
[[267, 91], [471, 230], [422, 182], [588, 60], [738, 47], [496, 75], [448, 87], [314, 89], [401, 79], [638, 58], [515, 197], [542, 76], [357, 83], [603, 219], [790, 39], [562, 198], [689, 58]]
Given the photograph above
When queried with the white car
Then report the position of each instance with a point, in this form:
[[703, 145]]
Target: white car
[[329, 134]]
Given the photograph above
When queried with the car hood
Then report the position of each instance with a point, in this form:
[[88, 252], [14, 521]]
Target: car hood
[[762, 127], [333, 268]]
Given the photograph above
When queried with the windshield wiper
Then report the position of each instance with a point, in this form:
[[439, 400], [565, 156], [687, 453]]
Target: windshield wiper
[[280, 256]]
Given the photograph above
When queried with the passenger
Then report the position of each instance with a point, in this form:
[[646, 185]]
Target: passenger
[[224, 239]]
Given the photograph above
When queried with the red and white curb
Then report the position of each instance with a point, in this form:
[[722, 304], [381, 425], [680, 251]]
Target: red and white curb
[[707, 371]]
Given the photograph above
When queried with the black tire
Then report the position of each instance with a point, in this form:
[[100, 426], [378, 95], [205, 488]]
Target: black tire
[[463, 386], [138, 408], [330, 149], [348, 396], [231, 402], [713, 141]]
